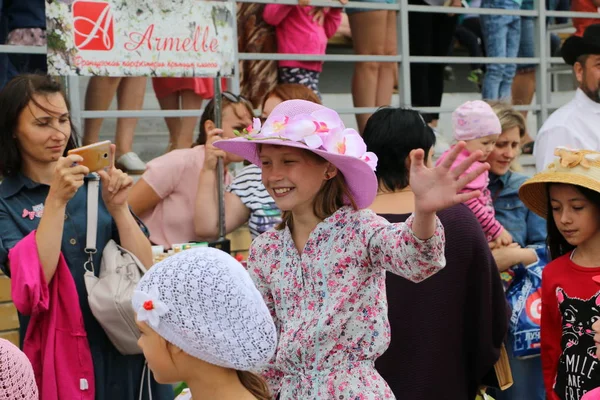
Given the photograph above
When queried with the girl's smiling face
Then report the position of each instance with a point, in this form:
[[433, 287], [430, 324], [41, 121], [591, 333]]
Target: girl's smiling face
[[293, 176]]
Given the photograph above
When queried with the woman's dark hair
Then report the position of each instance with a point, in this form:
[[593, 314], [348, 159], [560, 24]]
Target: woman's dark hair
[[557, 244], [14, 98], [392, 133], [208, 114]]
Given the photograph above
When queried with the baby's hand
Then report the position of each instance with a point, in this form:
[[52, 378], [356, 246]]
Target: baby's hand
[[505, 238], [497, 244]]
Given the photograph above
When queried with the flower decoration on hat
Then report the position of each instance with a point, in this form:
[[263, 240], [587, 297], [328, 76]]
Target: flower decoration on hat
[[151, 308], [252, 129], [320, 130], [570, 158]]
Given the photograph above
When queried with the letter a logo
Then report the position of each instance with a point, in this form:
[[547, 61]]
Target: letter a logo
[[93, 25]]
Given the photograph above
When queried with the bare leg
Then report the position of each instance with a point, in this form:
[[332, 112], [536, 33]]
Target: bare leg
[[98, 96], [388, 70], [130, 96], [523, 88], [368, 36], [189, 101], [171, 102]]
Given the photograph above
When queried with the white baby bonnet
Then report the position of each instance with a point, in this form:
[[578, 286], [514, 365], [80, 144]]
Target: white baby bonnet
[[204, 302]]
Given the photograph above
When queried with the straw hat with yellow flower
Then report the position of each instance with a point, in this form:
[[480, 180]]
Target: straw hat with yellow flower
[[574, 167]]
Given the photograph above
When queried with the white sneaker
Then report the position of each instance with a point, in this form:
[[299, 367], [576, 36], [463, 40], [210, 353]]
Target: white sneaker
[[131, 163]]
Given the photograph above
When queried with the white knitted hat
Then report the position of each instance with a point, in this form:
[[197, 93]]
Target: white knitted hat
[[204, 302], [17, 380]]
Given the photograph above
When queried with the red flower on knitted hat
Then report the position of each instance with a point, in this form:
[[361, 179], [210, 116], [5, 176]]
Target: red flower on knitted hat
[[149, 307]]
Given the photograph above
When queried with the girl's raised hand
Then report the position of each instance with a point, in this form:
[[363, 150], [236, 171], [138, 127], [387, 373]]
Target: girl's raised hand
[[438, 188]]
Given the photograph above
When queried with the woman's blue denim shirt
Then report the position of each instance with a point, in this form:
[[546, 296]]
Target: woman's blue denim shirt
[[526, 227]]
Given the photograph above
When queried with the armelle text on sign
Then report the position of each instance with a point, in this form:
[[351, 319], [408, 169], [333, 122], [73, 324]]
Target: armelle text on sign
[[201, 41]]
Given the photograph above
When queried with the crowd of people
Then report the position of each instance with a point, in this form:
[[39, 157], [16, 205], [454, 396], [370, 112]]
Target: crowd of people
[[304, 29], [377, 270]]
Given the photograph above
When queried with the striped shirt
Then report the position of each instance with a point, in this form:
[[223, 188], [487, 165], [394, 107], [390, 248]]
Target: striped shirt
[[248, 186], [483, 209]]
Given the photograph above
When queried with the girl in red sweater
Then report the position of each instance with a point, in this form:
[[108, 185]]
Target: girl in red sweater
[[567, 193]]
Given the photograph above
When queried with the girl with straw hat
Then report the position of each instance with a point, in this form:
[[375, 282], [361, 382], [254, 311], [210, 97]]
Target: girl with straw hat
[[322, 270], [567, 194]]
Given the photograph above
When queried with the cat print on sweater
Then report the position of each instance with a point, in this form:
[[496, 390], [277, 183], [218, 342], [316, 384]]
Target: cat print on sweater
[[578, 370]]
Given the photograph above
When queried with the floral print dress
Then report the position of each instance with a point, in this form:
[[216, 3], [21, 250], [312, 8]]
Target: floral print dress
[[329, 302]]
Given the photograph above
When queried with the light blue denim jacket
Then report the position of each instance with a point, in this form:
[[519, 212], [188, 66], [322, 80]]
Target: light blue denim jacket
[[526, 228]]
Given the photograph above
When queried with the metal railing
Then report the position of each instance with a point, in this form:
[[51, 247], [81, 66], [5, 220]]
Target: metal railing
[[545, 64]]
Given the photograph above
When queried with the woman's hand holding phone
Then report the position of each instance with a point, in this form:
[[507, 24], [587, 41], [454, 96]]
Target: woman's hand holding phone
[[67, 178], [116, 185], [96, 156]]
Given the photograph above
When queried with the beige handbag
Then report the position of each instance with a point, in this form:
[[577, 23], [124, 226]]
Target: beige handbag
[[109, 295]]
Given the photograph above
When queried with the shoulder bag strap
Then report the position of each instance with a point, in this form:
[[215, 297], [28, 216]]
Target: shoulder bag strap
[[92, 220]]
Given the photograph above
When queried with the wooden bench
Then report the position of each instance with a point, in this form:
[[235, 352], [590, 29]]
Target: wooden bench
[[9, 323], [240, 241]]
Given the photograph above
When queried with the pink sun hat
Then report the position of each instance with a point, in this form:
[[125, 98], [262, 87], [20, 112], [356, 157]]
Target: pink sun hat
[[475, 119], [313, 127]]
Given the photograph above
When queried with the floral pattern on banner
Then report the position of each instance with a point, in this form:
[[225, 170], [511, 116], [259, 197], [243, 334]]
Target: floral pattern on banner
[[138, 29], [329, 302]]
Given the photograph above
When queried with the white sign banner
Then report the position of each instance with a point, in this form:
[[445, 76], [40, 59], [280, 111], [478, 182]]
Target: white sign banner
[[141, 37]]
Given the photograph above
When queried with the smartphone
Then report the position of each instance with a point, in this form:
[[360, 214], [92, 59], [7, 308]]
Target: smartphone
[[96, 156]]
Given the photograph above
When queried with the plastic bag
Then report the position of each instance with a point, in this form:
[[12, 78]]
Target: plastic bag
[[525, 298]]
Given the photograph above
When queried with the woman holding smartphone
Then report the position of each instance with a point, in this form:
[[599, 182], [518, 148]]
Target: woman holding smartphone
[[43, 214]]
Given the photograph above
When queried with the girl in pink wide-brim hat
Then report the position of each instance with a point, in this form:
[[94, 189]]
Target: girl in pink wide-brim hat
[[322, 270]]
